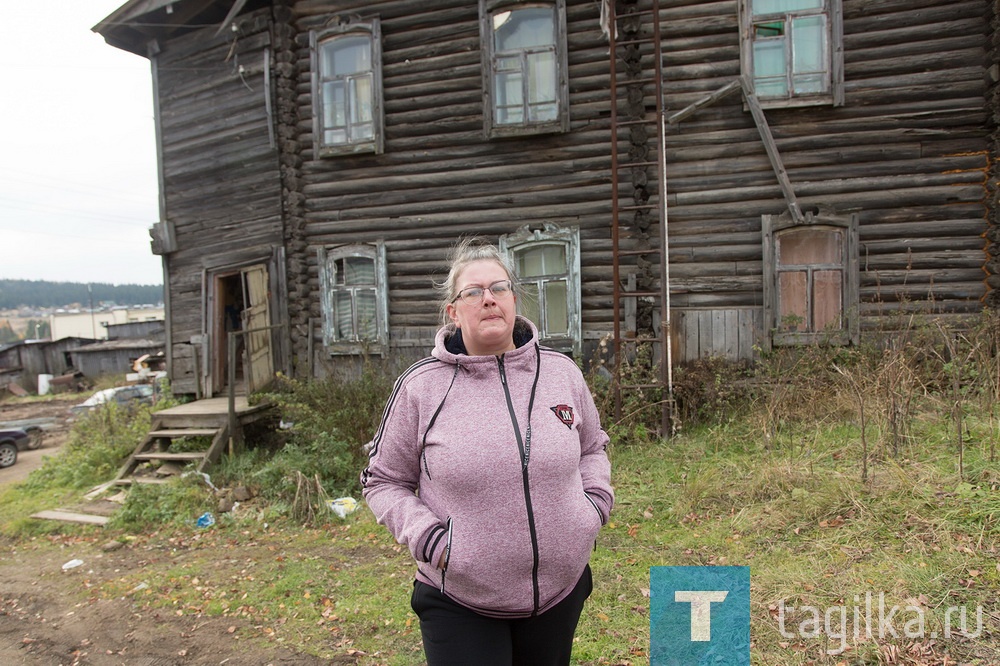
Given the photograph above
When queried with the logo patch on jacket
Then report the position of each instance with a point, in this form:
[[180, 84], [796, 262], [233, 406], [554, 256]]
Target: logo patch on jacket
[[565, 414]]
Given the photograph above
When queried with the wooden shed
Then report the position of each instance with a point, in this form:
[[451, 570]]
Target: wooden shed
[[23, 362], [735, 173], [112, 357]]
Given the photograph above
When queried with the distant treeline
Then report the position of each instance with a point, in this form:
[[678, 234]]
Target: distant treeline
[[43, 294]]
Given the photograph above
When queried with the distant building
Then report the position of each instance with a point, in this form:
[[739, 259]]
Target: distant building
[[93, 324]]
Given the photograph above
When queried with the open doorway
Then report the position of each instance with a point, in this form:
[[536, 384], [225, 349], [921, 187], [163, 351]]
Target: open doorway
[[230, 302], [240, 302]]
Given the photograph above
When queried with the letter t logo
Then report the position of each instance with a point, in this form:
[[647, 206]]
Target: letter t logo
[[701, 615]]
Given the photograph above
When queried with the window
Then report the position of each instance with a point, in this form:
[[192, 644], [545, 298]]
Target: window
[[347, 89], [791, 50], [354, 296], [811, 280], [548, 268], [525, 90]]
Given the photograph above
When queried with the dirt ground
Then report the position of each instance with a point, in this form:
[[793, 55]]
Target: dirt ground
[[54, 418], [47, 616]]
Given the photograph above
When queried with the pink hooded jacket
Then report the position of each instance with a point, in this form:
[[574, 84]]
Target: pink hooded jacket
[[499, 465]]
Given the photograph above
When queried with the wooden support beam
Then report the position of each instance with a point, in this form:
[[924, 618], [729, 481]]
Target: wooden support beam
[[772, 149]]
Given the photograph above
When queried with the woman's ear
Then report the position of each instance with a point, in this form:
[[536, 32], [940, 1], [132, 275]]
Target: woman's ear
[[452, 313]]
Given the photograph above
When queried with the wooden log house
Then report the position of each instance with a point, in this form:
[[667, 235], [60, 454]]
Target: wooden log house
[[812, 169]]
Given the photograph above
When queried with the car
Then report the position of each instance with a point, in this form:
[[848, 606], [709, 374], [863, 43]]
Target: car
[[13, 440], [121, 395]]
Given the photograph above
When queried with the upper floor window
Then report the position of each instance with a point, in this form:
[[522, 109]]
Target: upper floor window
[[347, 89], [548, 269], [811, 280], [524, 54], [354, 296], [791, 50]]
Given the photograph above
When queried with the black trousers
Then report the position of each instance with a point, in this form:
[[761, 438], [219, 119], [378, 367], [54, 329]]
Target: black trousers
[[456, 636]]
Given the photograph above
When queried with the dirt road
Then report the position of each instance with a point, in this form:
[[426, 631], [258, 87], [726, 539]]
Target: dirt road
[[53, 415], [53, 616]]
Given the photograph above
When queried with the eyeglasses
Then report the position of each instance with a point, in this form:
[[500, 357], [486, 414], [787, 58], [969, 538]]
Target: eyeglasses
[[474, 295]]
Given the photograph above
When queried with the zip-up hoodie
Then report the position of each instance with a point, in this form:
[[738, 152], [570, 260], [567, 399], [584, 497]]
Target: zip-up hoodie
[[496, 465]]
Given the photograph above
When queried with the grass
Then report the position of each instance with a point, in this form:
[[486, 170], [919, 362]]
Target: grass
[[813, 534], [838, 490]]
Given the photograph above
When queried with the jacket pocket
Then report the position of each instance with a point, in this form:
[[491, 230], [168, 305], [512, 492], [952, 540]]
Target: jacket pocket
[[590, 499]]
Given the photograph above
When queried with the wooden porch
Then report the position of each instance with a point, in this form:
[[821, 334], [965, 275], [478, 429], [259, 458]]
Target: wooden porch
[[192, 437], [188, 438]]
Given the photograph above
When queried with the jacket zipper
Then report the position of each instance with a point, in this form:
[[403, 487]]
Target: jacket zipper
[[525, 452], [447, 554]]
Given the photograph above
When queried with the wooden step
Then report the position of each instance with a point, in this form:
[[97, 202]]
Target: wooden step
[[129, 480], [184, 432], [71, 517], [188, 455]]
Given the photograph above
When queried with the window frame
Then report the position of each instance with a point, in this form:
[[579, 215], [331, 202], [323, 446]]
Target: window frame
[[317, 39], [493, 129], [773, 228], [834, 14], [568, 237], [327, 257]]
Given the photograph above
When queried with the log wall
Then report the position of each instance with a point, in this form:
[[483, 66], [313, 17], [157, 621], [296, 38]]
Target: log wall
[[220, 178], [908, 150], [438, 178]]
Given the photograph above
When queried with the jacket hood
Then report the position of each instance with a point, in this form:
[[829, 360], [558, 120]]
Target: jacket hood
[[450, 348]]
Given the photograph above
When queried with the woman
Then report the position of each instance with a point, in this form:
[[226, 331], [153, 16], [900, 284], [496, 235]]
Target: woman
[[490, 465]]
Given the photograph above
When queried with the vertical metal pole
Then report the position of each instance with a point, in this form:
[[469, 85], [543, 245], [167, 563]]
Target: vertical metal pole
[[666, 359], [231, 380], [616, 279]]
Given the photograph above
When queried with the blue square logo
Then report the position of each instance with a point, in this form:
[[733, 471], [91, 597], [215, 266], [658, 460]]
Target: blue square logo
[[699, 616]]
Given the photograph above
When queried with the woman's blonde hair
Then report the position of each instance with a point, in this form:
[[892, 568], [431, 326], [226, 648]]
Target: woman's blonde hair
[[469, 250]]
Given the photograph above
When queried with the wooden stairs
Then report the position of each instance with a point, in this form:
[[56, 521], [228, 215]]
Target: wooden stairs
[[187, 427], [155, 449], [201, 431]]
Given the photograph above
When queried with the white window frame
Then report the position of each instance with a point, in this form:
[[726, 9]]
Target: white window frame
[[317, 39], [491, 127], [773, 228], [832, 11], [327, 259], [569, 237]]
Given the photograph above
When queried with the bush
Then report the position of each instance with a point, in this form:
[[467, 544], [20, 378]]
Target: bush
[[327, 422], [99, 443]]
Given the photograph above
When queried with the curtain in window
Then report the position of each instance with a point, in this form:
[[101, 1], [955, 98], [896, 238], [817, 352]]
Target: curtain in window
[[354, 299], [543, 272], [760, 7], [796, 41], [810, 279], [769, 67], [346, 82], [809, 70], [525, 76]]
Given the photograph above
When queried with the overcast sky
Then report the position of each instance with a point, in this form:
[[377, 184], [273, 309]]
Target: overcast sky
[[78, 190]]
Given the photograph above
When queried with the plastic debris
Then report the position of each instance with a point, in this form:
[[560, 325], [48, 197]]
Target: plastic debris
[[343, 506], [206, 519], [72, 564], [139, 588], [205, 477]]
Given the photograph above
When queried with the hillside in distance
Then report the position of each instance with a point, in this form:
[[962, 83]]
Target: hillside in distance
[[45, 294]]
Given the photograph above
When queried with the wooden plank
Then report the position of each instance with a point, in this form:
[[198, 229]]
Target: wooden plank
[[187, 456], [70, 517], [141, 479], [184, 432]]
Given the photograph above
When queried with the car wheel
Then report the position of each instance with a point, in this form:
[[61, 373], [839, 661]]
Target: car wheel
[[8, 454], [36, 436]]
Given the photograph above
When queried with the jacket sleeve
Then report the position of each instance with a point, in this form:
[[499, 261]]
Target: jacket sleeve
[[595, 467], [390, 481]]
